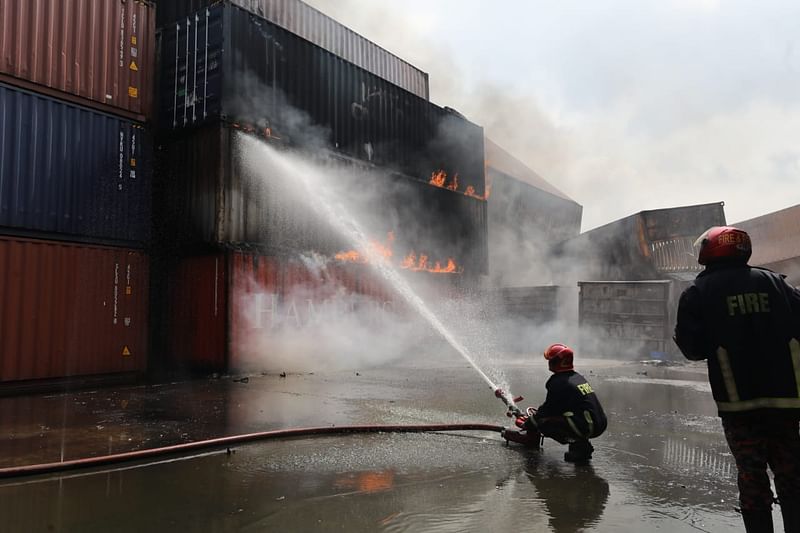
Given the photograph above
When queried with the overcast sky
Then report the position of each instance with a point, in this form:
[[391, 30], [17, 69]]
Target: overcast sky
[[623, 105]]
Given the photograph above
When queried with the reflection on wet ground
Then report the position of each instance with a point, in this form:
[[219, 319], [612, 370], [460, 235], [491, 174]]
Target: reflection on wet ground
[[662, 465]]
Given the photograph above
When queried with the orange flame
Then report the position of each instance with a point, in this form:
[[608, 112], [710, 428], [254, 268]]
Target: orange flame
[[454, 184], [438, 178], [471, 191], [418, 264], [412, 261], [351, 256]]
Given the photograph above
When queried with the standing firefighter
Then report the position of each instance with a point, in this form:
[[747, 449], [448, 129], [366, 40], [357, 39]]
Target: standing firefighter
[[746, 322], [571, 413]]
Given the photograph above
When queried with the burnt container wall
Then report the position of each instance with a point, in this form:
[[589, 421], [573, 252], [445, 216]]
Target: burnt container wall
[[227, 62], [670, 235], [444, 224], [533, 212], [207, 196], [71, 310], [645, 246], [612, 252], [303, 20], [523, 222], [100, 51], [187, 202], [73, 171]]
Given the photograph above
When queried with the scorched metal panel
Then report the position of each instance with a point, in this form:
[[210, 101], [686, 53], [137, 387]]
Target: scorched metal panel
[[208, 194], [99, 50], [71, 310], [72, 170], [228, 63], [655, 244], [314, 26]]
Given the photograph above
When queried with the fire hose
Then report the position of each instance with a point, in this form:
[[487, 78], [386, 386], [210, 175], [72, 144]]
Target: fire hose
[[221, 442]]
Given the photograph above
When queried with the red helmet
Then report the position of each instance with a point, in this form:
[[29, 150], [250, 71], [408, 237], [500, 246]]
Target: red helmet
[[559, 357], [723, 243]]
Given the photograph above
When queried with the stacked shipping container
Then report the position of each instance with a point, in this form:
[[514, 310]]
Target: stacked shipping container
[[225, 62], [631, 273], [227, 70], [304, 21], [526, 216], [657, 244], [75, 182]]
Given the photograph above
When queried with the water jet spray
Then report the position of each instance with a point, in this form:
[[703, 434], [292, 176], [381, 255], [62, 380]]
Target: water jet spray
[[338, 216]]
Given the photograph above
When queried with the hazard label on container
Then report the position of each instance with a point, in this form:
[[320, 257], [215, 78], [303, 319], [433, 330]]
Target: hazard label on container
[[133, 39], [128, 290], [133, 92], [133, 67], [125, 351], [133, 161]]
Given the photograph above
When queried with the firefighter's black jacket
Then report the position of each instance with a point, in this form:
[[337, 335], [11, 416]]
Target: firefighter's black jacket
[[746, 322], [568, 393]]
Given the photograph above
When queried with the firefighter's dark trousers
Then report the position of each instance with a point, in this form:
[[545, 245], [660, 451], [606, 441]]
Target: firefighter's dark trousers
[[757, 441]]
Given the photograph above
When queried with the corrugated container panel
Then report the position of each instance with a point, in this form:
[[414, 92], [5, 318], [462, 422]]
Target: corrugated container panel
[[208, 195], [71, 310], [72, 170], [229, 63], [648, 245], [314, 26], [198, 313], [523, 222], [626, 318], [218, 301], [102, 51]]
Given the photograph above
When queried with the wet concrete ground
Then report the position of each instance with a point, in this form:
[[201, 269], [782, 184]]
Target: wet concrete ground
[[662, 465]]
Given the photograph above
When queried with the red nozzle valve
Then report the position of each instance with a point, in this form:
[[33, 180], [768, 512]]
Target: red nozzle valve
[[499, 393]]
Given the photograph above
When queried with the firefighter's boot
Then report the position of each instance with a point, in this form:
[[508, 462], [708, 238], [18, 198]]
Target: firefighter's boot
[[579, 452]]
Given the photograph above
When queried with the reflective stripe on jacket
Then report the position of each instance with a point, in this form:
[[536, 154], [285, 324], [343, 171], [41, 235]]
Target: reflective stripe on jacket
[[569, 395], [745, 322]]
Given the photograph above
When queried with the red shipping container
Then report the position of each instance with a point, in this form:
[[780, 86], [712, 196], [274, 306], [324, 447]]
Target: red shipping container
[[215, 301], [100, 51], [70, 310]]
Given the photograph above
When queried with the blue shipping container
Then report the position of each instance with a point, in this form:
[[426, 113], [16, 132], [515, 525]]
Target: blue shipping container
[[72, 171]]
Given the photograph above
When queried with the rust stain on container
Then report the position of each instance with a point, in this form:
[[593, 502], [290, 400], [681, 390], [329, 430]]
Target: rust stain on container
[[102, 51], [71, 310]]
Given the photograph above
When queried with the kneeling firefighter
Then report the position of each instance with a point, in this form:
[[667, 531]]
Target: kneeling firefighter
[[571, 413]]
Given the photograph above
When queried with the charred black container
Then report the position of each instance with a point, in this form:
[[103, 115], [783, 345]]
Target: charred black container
[[311, 24], [208, 195], [226, 63], [649, 245]]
